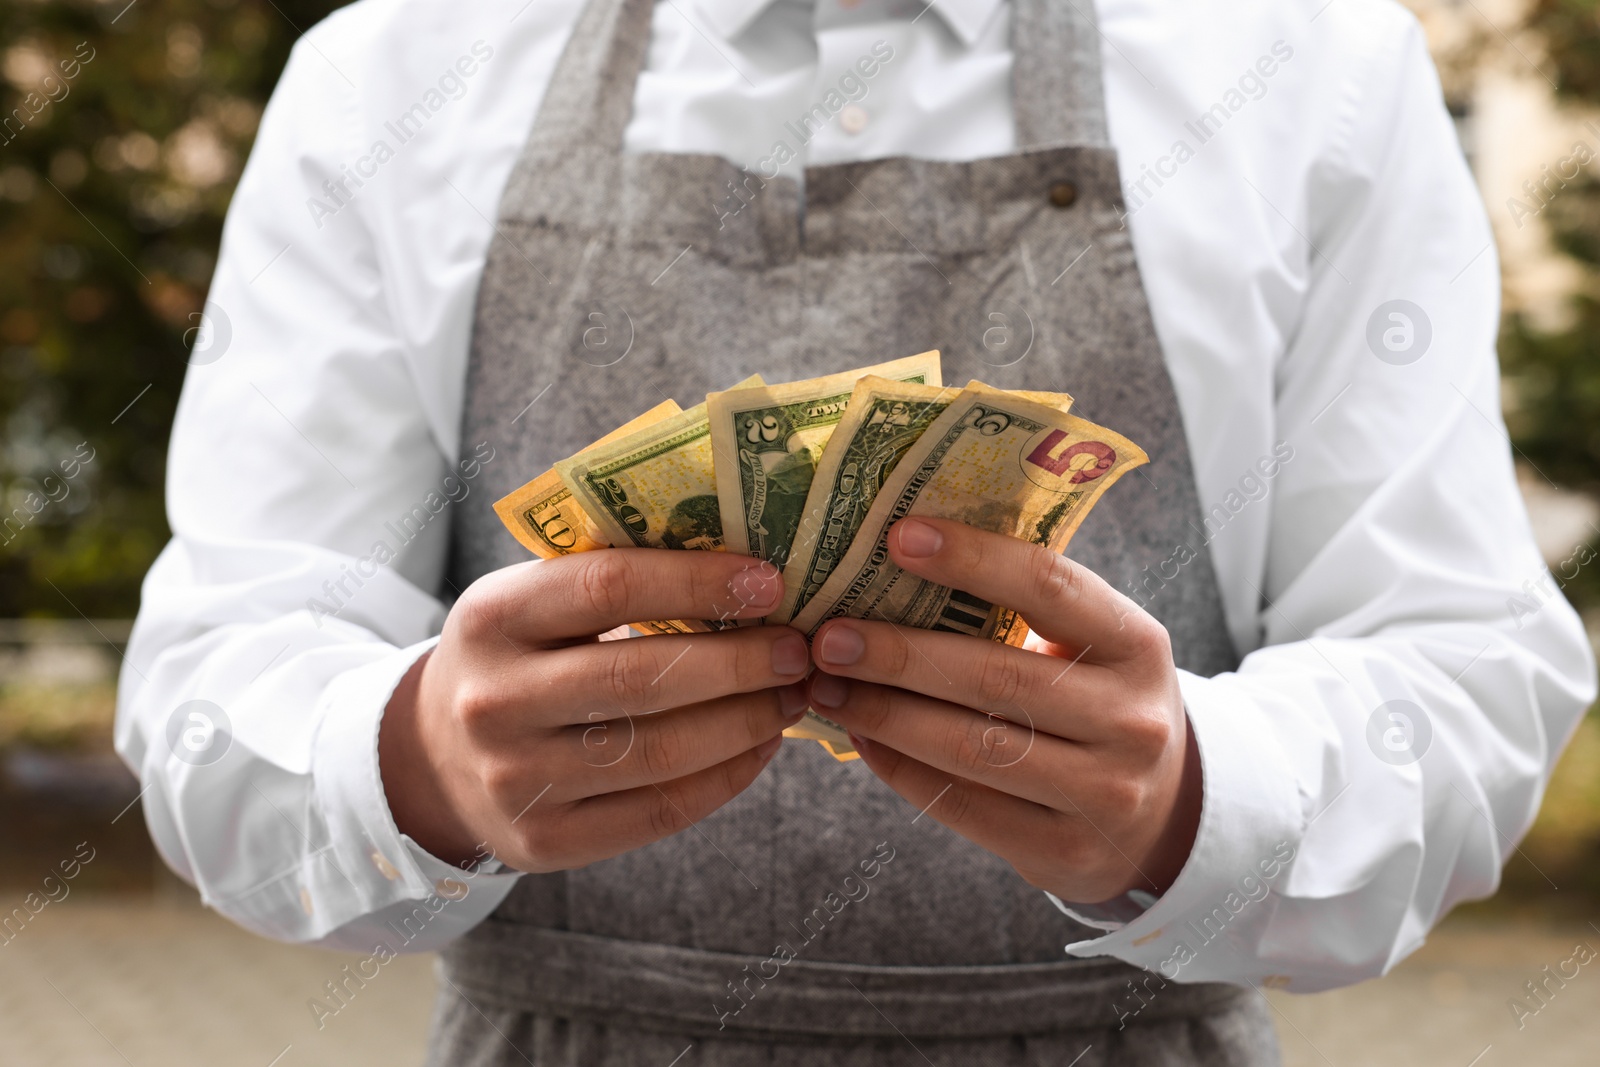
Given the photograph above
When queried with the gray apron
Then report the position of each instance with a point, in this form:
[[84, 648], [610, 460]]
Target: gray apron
[[758, 936]]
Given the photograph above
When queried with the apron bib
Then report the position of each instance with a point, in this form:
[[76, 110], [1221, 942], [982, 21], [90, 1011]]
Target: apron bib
[[758, 935]]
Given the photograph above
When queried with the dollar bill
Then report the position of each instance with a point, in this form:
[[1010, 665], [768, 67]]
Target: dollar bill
[[654, 488], [545, 517], [775, 435], [882, 421], [992, 459]]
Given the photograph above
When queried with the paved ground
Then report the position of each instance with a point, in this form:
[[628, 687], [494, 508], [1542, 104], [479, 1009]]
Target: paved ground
[[118, 984], [1448, 1005]]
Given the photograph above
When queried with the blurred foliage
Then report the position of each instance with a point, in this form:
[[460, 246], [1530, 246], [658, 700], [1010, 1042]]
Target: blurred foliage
[[1570, 30], [122, 130], [1553, 379], [56, 715], [1553, 385]]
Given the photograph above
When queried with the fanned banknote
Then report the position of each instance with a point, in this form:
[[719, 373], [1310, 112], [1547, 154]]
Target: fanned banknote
[[544, 515], [884, 419], [994, 460], [655, 488], [776, 434]]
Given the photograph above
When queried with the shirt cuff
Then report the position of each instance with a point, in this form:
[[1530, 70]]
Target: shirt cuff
[[386, 866], [1250, 826]]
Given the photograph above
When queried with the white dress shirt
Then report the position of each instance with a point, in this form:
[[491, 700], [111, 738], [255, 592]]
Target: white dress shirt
[[1290, 170]]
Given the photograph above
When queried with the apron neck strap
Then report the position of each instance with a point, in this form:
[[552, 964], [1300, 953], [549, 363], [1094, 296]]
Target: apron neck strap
[[1055, 74], [590, 98], [1056, 77]]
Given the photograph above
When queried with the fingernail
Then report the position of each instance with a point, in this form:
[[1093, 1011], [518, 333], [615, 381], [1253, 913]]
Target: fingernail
[[768, 748], [759, 586], [861, 744], [790, 655], [829, 690], [840, 646], [918, 539], [792, 703]]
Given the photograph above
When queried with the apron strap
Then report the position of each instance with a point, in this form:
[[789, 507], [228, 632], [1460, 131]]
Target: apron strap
[[1055, 74], [590, 97]]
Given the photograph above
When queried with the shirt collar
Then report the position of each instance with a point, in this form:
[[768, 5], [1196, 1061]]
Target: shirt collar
[[729, 18], [967, 17]]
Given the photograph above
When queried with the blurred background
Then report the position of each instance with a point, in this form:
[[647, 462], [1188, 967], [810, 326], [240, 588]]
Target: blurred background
[[123, 126]]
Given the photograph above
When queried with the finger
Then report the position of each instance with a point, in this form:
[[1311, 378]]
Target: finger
[[1062, 600], [643, 674], [1017, 830], [1015, 757], [1067, 697], [616, 755], [588, 593], [607, 825]]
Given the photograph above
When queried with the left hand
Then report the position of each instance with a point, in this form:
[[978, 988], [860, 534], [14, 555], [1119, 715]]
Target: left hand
[[1072, 760]]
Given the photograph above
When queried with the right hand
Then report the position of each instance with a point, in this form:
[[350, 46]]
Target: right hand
[[522, 731]]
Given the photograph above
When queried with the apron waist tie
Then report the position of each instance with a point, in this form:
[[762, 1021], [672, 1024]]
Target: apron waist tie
[[556, 972]]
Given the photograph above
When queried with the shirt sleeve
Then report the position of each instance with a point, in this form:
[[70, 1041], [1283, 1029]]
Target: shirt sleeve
[[1377, 759], [310, 503]]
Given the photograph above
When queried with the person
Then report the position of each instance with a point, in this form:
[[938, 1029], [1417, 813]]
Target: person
[[1296, 686]]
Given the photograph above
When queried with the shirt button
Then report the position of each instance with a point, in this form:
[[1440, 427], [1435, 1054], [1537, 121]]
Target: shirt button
[[305, 901], [853, 119], [385, 868], [450, 888], [1062, 194]]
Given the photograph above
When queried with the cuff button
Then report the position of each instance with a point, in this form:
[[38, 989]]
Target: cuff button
[[385, 868]]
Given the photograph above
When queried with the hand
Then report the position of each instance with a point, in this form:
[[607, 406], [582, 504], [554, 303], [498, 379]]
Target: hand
[[1074, 762], [521, 730]]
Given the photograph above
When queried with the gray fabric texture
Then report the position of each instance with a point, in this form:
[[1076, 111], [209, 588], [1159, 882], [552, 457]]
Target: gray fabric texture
[[629, 960]]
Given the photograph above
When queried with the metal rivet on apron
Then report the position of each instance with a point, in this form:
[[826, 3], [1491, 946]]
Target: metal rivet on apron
[[1062, 194]]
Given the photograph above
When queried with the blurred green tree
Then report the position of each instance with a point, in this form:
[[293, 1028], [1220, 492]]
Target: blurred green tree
[[1553, 379], [122, 130]]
